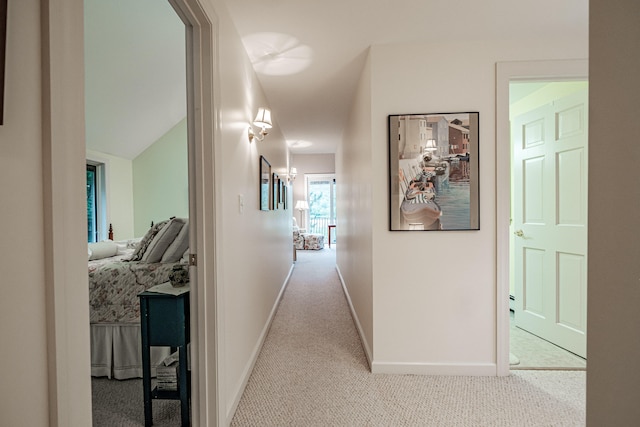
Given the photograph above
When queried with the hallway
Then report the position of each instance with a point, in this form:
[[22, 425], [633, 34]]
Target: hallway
[[312, 371]]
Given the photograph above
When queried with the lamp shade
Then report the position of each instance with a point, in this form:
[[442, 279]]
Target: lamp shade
[[302, 205], [263, 118]]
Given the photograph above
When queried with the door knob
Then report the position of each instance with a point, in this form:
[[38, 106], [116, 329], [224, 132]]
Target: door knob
[[519, 233]]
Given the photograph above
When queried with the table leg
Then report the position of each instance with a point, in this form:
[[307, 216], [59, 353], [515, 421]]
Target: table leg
[[184, 385], [146, 368]]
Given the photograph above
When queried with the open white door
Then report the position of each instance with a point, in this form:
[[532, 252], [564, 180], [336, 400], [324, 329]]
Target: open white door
[[550, 221]]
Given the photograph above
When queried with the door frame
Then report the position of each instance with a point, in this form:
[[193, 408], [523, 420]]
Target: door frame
[[201, 29], [507, 72], [65, 275]]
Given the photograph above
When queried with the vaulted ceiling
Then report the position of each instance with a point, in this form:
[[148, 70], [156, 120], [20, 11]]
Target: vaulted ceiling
[[135, 84], [308, 56]]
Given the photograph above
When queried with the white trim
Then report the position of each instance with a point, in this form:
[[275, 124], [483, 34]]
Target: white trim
[[395, 368], [363, 339], [206, 297], [64, 211], [246, 373], [505, 73]]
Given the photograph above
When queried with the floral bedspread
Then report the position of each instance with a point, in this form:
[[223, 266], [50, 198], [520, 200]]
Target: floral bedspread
[[114, 287]]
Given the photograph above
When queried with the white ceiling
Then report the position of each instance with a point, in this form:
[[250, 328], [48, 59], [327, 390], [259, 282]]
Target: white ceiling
[[313, 104], [135, 87], [308, 54]]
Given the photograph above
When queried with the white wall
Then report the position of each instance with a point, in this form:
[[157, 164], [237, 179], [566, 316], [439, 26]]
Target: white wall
[[119, 187], [151, 187], [256, 245], [354, 255], [22, 308], [431, 313], [161, 180], [613, 347]]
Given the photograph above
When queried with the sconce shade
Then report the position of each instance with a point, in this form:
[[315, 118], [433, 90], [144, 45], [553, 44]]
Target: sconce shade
[[302, 205], [292, 175], [263, 118]]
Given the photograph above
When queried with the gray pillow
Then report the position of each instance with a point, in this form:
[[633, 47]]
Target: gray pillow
[[162, 240], [146, 240], [180, 244]]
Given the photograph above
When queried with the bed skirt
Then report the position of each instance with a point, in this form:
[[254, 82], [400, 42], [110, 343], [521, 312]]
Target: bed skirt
[[116, 351]]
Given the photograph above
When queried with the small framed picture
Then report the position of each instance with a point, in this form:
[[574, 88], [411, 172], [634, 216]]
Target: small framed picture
[[265, 184], [275, 199]]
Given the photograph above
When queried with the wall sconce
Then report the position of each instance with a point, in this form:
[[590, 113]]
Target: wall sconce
[[262, 120], [292, 174]]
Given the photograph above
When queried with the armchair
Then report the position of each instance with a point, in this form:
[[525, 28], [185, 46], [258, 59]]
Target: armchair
[[303, 240]]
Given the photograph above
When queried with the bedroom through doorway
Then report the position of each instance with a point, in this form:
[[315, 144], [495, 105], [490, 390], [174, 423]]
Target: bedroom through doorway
[[137, 146]]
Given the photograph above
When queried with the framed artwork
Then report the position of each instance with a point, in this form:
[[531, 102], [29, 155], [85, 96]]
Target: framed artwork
[[283, 193], [433, 172], [265, 184], [275, 193], [3, 50]]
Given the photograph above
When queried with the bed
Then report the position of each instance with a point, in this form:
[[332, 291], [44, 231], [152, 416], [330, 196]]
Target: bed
[[118, 272]]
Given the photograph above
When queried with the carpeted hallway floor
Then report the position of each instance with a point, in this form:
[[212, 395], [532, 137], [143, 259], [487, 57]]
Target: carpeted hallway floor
[[312, 372]]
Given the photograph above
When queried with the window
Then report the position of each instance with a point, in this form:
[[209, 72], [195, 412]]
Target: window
[[92, 201], [97, 228]]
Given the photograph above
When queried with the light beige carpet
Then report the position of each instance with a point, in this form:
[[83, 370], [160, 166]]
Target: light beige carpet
[[312, 372], [532, 352], [120, 404]]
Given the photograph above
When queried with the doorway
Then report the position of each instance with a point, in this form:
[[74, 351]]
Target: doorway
[[508, 72], [549, 130], [136, 132], [65, 271], [321, 196]]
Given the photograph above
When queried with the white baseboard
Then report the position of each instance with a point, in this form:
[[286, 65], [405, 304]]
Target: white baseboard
[[244, 379], [478, 370], [363, 339]]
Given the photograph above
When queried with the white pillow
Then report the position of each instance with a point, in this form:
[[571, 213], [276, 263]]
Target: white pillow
[[104, 249], [122, 247], [133, 243]]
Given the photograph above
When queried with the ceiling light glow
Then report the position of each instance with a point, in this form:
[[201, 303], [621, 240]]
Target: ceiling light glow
[[277, 54], [299, 143]]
